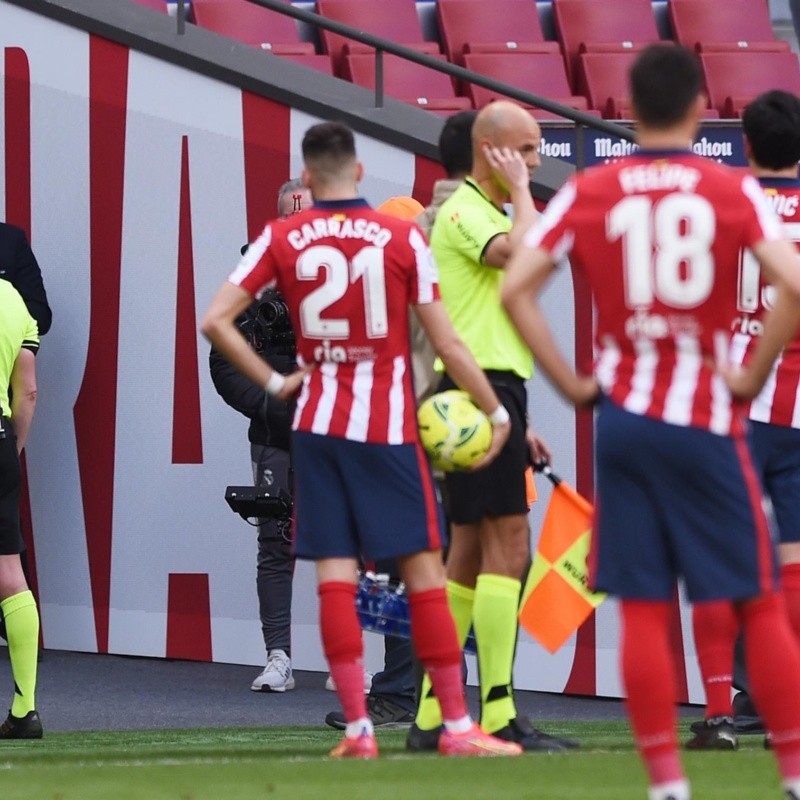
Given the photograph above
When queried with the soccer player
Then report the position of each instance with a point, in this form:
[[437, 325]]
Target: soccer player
[[471, 241], [658, 236], [363, 485], [19, 341], [771, 125]]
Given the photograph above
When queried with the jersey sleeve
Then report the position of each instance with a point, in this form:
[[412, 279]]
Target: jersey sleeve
[[425, 276], [30, 339], [255, 272], [470, 229], [762, 222], [554, 230]]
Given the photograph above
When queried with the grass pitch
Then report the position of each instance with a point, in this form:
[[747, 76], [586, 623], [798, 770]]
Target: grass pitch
[[291, 764]]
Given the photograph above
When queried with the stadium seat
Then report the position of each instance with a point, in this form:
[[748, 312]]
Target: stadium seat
[[539, 73], [251, 24], [322, 63], [745, 24], [490, 26], [404, 80], [395, 20], [156, 5], [734, 78], [619, 25], [603, 79]]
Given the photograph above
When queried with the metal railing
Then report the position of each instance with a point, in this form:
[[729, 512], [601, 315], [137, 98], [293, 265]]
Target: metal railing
[[581, 119]]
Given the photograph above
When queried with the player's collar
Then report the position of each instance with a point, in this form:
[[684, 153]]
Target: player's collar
[[780, 183], [473, 184], [355, 202], [663, 153]]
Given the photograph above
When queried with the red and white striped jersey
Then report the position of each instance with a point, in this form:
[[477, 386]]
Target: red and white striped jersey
[[779, 400], [658, 236], [348, 275]]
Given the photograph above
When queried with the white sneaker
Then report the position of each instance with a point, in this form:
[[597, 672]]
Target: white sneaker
[[331, 686], [277, 675]]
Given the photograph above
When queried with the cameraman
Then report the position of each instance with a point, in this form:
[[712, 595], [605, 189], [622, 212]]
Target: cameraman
[[266, 325]]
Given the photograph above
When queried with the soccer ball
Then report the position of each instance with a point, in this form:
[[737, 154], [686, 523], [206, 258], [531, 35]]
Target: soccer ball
[[455, 433]]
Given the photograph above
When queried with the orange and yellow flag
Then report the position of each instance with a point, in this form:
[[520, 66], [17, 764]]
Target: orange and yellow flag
[[557, 600]]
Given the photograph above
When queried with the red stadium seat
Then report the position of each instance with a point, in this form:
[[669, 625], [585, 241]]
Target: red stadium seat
[[490, 26], [737, 24], [603, 78], [734, 78], [395, 20], [156, 5], [321, 63], [250, 24], [404, 80], [538, 73], [619, 25]]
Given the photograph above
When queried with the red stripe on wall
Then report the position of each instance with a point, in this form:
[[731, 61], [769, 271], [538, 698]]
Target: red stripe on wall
[[266, 158], [17, 110], [583, 678], [27, 527], [426, 173], [96, 406], [188, 617], [187, 438], [18, 138]]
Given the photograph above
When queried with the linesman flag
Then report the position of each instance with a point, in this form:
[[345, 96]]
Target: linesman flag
[[557, 600]]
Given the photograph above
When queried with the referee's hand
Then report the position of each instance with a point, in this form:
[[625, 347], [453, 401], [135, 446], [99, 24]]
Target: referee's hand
[[499, 438]]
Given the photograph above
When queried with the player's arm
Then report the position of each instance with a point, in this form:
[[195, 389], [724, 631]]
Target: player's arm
[[220, 329], [23, 399], [780, 263], [464, 370], [513, 172], [527, 272]]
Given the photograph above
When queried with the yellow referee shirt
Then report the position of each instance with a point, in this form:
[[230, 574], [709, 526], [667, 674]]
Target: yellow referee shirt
[[17, 330], [470, 290]]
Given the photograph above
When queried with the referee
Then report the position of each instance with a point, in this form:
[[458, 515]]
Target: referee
[[19, 341]]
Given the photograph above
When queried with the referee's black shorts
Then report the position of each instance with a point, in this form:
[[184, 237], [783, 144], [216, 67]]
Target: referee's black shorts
[[10, 479], [499, 489]]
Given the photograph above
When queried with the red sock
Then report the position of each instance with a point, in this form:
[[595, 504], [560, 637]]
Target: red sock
[[773, 664], [790, 584], [649, 679], [343, 646], [716, 626], [436, 644]]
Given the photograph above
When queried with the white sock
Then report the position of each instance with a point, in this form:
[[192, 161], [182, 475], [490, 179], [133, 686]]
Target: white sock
[[674, 790], [358, 728], [458, 725], [792, 789]]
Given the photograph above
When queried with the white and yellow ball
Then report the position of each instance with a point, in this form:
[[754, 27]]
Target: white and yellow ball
[[455, 433]]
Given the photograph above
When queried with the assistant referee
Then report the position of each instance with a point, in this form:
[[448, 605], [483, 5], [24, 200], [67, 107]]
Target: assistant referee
[[19, 341]]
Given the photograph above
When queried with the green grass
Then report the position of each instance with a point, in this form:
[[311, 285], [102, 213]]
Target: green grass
[[290, 763]]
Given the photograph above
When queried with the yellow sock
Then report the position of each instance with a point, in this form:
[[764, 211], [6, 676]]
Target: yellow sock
[[22, 628], [460, 599], [495, 621]]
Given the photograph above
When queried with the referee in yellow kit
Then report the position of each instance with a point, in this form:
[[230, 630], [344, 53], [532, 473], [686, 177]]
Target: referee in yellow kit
[[19, 341]]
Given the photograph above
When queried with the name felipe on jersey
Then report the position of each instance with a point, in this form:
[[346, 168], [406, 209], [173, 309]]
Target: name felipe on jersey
[[338, 226]]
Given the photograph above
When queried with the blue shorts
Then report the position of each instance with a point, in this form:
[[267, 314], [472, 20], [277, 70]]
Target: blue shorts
[[355, 499], [676, 502], [776, 451]]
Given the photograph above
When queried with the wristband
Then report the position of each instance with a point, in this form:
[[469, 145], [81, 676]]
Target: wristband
[[275, 383], [499, 416]]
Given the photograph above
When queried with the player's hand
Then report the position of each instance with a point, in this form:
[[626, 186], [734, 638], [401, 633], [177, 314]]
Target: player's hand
[[499, 438], [740, 381], [293, 383], [508, 166], [584, 392], [539, 451]]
